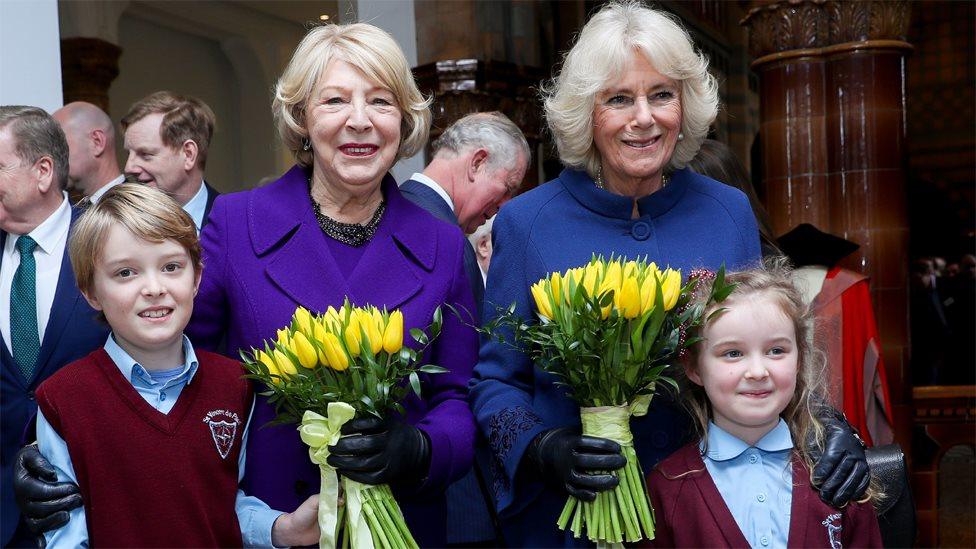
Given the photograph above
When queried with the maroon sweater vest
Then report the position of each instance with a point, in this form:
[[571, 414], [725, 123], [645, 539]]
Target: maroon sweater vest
[[149, 479]]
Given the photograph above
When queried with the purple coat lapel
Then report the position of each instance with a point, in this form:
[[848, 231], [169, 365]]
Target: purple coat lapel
[[303, 266]]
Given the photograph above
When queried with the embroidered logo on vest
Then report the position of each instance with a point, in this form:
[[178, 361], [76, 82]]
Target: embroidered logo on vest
[[832, 523], [223, 428]]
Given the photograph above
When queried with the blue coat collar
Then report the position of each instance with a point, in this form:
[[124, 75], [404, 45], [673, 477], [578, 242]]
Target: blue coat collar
[[607, 204]]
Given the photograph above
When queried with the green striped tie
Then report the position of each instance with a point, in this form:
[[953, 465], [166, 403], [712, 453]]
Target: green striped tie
[[24, 340]]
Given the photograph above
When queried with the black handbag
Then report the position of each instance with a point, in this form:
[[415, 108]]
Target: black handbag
[[896, 512]]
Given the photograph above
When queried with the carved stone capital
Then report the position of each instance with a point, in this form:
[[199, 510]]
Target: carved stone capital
[[464, 86], [787, 25], [783, 25], [88, 67]]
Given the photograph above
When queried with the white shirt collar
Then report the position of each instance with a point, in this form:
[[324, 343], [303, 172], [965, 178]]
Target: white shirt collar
[[434, 185], [54, 229], [98, 194], [196, 206]]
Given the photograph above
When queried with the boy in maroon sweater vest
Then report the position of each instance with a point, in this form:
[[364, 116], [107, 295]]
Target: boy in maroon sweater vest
[[152, 431]]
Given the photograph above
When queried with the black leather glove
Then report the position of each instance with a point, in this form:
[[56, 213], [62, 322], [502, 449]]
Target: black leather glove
[[842, 470], [376, 451], [43, 502], [566, 458]]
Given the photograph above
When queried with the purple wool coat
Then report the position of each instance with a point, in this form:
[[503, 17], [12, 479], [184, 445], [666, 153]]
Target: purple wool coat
[[264, 255]]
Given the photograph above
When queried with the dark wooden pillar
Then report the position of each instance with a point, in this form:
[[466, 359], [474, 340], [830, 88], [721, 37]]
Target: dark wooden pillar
[[88, 67], [832, 118]]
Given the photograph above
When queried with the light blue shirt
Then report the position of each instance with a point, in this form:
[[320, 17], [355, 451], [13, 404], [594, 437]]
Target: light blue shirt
[[255, 517], [197, 205], [756, 482]]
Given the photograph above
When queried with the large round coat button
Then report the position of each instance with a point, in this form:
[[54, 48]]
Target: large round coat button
[[641, 230]]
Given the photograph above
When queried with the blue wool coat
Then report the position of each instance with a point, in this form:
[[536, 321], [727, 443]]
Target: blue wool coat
[[264, 255], [692, 222]]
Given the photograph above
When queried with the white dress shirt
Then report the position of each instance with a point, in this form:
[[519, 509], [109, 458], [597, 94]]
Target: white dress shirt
[[51, 236], [433, 185], [197, 206], [98, 194]]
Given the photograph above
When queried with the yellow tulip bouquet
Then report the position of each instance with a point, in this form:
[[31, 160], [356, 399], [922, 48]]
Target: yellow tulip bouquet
[[322, 371], [608, 331]]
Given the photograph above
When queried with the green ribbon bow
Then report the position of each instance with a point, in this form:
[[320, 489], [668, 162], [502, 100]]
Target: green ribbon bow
[[319, 432]]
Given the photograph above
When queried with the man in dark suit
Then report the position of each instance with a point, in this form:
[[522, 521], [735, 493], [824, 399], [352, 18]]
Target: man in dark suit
[[167, 137], [45, 323], [479, 163]]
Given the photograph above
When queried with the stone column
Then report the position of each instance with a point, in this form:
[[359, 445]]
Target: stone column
[[832, 111]]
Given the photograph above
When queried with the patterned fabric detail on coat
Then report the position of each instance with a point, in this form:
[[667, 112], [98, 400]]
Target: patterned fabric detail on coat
[[504, 429]]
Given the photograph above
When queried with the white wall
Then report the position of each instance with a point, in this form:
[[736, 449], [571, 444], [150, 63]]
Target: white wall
[[30, 54]]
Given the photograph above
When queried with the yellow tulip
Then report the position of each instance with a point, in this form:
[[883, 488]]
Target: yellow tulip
[[374, 330], [393, 336], [285, 365], [269, 363], [331, 317], [541, 300], [333, 350], [628, 299], [670, 288], [590, 275], [555, 288], [304, 320], [302, 348], [352, 335], [284, 337], [318, 334], [648, 293], [630, 269]]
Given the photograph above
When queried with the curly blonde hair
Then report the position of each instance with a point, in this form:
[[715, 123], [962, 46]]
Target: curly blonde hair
[[601, 53]]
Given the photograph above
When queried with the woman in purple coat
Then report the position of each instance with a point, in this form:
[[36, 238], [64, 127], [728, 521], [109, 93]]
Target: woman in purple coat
[[335, 225]]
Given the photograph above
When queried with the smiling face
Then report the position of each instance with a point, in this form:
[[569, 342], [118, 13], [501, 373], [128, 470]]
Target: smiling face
[[636, 122], [482, 197], [145, 290], [354, 127], [156, 164], [748, 365]]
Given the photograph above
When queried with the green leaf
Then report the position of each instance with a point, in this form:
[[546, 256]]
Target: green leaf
[[419, 336], [432, 369], [415, 383]]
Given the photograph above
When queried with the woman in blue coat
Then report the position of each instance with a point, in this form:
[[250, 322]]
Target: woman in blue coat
[[629, 109]]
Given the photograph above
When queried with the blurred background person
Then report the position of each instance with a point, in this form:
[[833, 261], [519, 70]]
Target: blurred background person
[[92, 165], [481, 242], [167, 138]]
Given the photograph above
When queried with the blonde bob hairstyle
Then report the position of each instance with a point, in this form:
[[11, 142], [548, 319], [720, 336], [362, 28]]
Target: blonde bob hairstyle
[[371, 50], [601, 54], [146, 212]]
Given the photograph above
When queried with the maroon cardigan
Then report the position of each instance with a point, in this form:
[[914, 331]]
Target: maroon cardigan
[[689, 510]]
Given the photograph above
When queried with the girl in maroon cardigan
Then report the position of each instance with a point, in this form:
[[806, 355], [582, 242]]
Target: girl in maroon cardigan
[[752, 385]]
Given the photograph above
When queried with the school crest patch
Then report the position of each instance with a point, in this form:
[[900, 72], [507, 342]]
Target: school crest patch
[[223, 429], [833, 526]]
